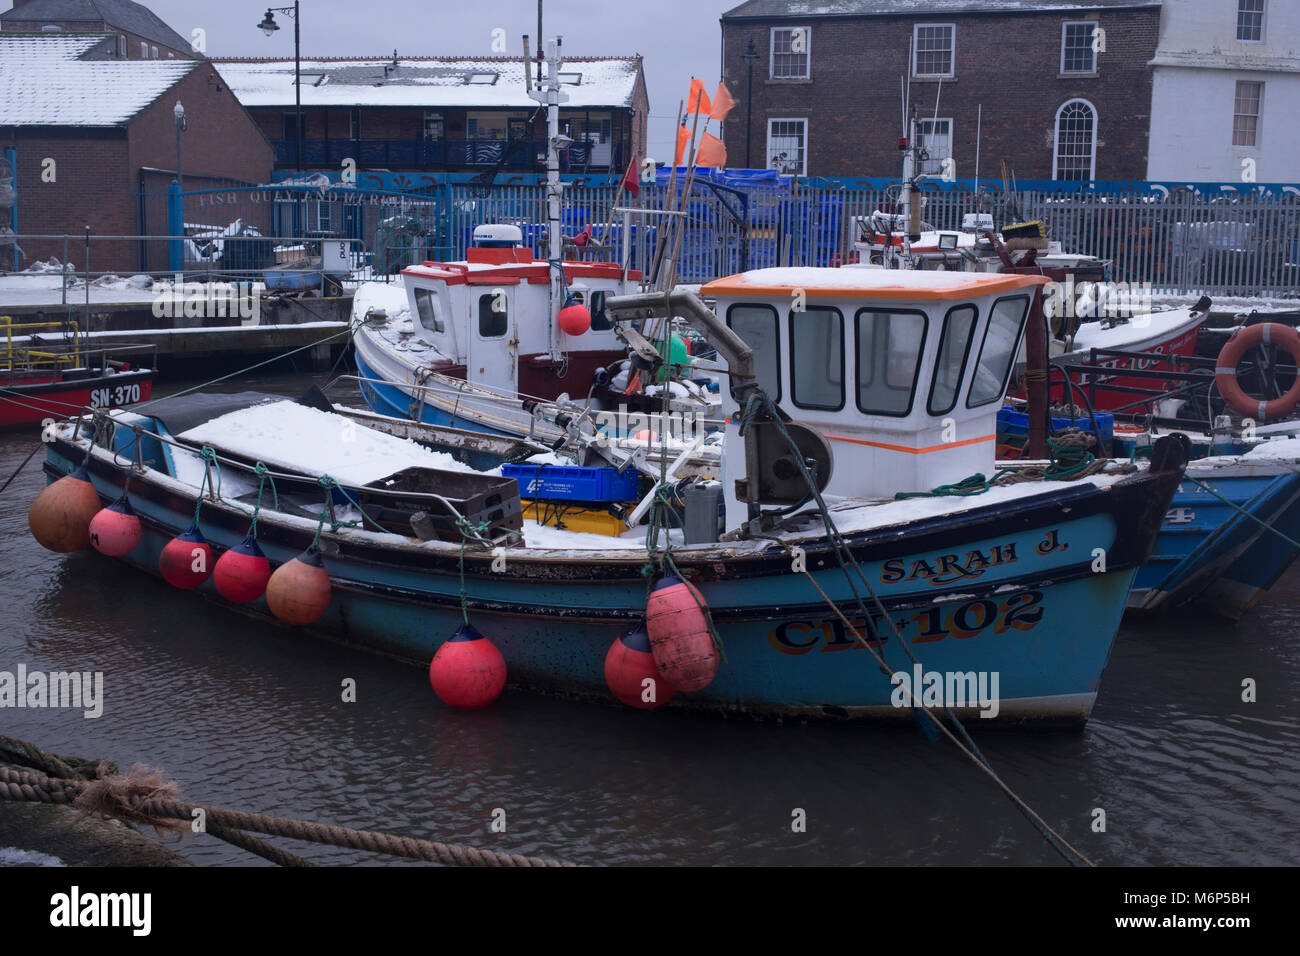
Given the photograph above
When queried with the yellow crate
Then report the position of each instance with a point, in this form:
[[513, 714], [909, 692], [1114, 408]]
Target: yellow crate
[[588, 520]]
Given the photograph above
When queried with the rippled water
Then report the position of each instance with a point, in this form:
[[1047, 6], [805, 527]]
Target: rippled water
[[242, 714]]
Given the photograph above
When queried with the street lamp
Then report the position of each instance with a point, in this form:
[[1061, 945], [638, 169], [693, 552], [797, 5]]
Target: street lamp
[[182, 122], [750, 55], [269, 26]]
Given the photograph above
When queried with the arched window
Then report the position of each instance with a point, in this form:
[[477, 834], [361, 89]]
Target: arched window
[[1075, 153]]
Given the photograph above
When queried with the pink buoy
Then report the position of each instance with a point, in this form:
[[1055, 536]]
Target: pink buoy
[[299, 590], [678, 624], [60, 516], [186, 560], [467, 671], [242, 572], [631, 674], [116, 530], [574, 319]]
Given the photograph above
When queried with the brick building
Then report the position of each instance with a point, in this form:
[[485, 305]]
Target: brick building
[[129, 30], [1060, 89], [93, 136], [442, 113]]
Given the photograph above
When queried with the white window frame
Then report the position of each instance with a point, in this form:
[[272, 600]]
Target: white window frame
[[1056, 138], [1259, 115], [934, 165], [767, 155], [121, 46], [771, 53], [1065, 27], [154, 52], [1263, 23], [952, 63], [144, 50]]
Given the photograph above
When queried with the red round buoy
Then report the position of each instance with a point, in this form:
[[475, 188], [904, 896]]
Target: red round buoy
[[574, 318], [60, 515], [678, 624], [242, 572], [299, 590], [631, 673], [468, 671], [116, 530], [186, 560]]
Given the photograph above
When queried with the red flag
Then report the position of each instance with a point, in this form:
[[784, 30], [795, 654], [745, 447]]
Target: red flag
[[722, 103], [711, 152], [683, 140], [697, 101], [631, 182]]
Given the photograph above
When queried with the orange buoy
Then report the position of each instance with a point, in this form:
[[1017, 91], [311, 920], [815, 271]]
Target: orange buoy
[[60, 515], [241, 574], [299, 590], [1235, 349], [574, 318], [186, 560], [678, 624], [116, 530], [468, 671], [631, 674]]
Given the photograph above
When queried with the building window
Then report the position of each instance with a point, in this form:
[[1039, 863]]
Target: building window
[[153, 50], [933, 49], [787, 146], [144, 50], [1250, 21], [492, 323], [791, 53], [1076, 141], [817, 358], [121, 46], [1245, 113], [935, 137], [1077, 54], [433, 127]]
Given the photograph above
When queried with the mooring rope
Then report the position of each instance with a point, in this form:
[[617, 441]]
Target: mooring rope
[[141, 797]]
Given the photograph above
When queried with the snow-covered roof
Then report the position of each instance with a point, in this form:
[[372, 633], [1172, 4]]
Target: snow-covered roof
[[114, 14], [43, 82], [885, 8], [426, 81]]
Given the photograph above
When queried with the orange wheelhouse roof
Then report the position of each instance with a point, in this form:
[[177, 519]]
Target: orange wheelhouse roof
[[855, 283]]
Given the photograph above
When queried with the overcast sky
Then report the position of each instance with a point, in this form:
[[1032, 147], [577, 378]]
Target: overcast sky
[[678, 38]]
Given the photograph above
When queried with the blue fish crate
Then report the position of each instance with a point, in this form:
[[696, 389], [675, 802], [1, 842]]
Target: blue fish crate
[[573, 483], [1013, 426]]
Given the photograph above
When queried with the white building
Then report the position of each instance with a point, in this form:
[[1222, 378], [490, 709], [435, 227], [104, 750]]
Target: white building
[[1226, 88]]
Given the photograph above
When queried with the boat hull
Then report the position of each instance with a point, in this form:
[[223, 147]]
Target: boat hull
[[25, 402]]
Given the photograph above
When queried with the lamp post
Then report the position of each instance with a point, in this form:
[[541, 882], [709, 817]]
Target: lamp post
[[750, 55], [182, 122], [269, 26]]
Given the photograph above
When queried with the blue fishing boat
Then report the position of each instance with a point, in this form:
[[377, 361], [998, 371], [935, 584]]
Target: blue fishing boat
[[822, 577]]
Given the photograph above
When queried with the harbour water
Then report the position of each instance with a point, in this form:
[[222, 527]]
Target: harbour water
[[246, 715]]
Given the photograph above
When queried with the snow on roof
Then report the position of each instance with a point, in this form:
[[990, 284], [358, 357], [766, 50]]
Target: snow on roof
[[885, 8], [43, 82], [867, 283], [114, 14], [425, 81]]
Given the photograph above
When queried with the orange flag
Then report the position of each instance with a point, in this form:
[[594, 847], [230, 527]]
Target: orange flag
[[697, 101], [722, 103], [683, 140], [711, 152]]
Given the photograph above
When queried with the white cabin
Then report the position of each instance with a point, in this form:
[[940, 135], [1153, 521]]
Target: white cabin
[[903, 372]]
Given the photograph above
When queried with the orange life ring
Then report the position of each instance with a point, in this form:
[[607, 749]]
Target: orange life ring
[[1225, 371]]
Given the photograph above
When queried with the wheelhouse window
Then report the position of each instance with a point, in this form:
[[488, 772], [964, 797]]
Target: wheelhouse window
[[1250, 21], [757, 327], [817, 358], [997, 351], [954, 347], [791, 53], [933, 49], [1075, 156], [787, 146], [1077, 53], [890, 346], [492, 315], [1245, 113], [426, 305]]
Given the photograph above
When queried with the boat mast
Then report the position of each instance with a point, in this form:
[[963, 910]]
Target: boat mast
[[550, 95]]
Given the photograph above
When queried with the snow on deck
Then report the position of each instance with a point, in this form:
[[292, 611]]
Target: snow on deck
[[292, 436]]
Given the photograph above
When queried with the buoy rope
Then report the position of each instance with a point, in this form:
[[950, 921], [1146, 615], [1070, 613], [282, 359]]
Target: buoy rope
[[760, 401], [1069, 460], [1204, 487], [263, 475], [209, 456], [139, 797]]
